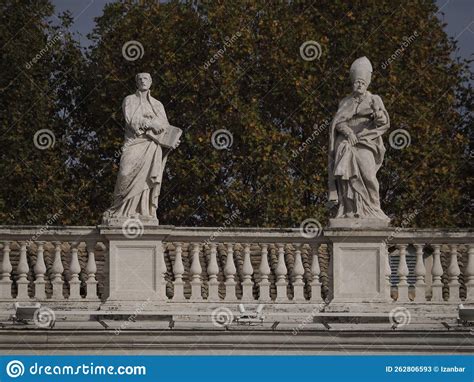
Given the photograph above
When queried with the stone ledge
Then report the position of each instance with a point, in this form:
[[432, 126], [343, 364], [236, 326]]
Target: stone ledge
[[358, 223], [243, 342]]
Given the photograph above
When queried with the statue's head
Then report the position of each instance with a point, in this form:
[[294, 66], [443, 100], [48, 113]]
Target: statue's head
[[361, 73], [143, 81]]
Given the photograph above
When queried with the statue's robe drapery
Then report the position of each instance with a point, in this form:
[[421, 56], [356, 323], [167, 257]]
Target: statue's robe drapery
[[142, 162], [353, 168]]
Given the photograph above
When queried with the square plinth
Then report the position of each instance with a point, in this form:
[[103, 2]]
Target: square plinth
[[358, 271], [136, 270]]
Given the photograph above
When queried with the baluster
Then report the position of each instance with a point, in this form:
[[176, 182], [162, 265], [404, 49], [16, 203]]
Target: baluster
[[281, 272], [161, 272], [420, 273], [316, 273], [247, 272], [6, 282], [453, 273], [402, 273], [264, 270], [469, 272], [330, 274], [91, 270], [196, 270], [57, 273], [40, 270], [178, 270], [74, 269], [437, 272], [298, 272], [212, 271], [387, 272], [230, 271], [22, 269]]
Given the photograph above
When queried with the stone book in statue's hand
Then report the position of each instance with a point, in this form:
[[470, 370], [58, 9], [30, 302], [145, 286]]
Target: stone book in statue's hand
[[169, 138]]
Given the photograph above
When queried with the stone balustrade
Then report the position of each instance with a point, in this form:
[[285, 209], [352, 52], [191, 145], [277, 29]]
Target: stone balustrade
[[442, 266], [54, 265], [168, 265], [248, 272]]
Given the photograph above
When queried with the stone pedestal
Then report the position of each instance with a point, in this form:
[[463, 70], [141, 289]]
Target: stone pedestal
[[129, 223], [136, 266], [358, 266], [358, 223]]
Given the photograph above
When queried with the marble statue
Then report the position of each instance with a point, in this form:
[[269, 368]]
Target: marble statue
[[144, 155], [356, 149]]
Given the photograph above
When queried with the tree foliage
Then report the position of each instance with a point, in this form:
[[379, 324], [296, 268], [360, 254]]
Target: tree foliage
[[237, 66]]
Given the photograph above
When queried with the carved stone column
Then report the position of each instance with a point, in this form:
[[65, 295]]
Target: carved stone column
[[298, 272], [57, 273], [40, 270], [420, 273], [230, 271], [281, 272], [22, 270], [247, 271], [178, 270], [316, 272], [6, 269], [213, 271], [264, 270], [196, 270]]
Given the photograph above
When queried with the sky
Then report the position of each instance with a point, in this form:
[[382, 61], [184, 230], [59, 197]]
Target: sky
[[458, 14]]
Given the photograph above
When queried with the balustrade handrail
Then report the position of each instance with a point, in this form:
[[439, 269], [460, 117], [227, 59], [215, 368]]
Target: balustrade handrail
[[49, 233], [391, 235]]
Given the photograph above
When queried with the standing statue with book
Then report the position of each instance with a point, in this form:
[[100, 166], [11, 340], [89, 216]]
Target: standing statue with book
[[149, 138]]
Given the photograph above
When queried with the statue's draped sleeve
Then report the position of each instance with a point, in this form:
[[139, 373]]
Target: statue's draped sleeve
[[133, 120]]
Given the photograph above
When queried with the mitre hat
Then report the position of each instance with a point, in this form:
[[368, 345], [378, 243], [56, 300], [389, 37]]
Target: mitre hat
[[361, 69]]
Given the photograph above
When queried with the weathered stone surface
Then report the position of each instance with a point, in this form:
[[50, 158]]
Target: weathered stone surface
[[358, 223], [356, 149], [144, 157]]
